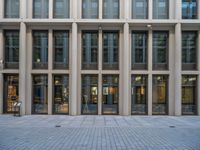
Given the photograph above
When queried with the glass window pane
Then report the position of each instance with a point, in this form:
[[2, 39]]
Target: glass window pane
[[11, 92], [139, 94], [160, 95], [110, 50], [160, 9], [111, 9], [89, 94], [11, 8], [189, 9], [90, 50], [61, 94], [139, 9], [61, 49], [110, 94], [40, 49], [90, 9], [40, 94], [11, 49], [40, 8], [61, 8]]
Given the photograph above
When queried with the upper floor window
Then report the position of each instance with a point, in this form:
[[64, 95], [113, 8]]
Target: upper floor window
[[61, 9], [139, 50], [111, 9], [90, 9], [189, 50], [139, 9], [189, 9], [40, 8], [11, 8], [160, 50], [160, 9], [11, 50]]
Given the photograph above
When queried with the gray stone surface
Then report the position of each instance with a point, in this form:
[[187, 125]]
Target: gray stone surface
[[39, 132]]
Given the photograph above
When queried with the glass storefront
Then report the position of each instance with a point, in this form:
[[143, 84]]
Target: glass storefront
[[40, 94], [139, 94], [61, 94], [11, 92], [160, 92], [110, 94], [189, 94], [89, 100]]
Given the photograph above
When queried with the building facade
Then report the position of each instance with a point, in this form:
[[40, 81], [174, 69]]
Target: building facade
[[101, 57]]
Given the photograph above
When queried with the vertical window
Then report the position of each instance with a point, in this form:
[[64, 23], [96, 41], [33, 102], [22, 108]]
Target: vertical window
[[90, 9], [40, 49], [139, 94], [110, 50], [11, 49], [89, 94], [160, 98], [90, 50], [160, 50], [61, 49], [189, 9], [40, 94], [11, 92], [11, 8], [139, 9], [110, 94], [110, 9], [160, 9], [189, 94], [61, 94], [61, 9], [189, 50], [139, 50], [40, 8]]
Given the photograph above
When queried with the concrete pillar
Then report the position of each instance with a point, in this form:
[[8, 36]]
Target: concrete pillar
[[50, 91], [74, 70], [126, 72], [126, 9], [100, 9], [1, 9], [150, 10], [178, 9], [75, 11], [22, 67], [150, 86], [50, 9], [177, 69], [1, 74], [23, 7], [198, 84]]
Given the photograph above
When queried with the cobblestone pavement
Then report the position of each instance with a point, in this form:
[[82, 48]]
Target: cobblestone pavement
[[44, 132]]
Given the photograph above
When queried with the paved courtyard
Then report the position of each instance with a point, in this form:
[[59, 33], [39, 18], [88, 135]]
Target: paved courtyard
[[43, 132]]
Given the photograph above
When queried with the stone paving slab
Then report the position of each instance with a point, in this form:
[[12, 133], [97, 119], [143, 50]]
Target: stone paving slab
[[39, 132]]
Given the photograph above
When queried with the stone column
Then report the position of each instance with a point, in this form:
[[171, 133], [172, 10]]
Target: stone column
[[74, 9], [23, 8], [126, 9], [100, 9], [22, 67], [1, 9], [178, 9], [150, 10], [74, 70], [126, 72], [198, 7], [1, 69], [198, 84], [177, 70], [50, 9]]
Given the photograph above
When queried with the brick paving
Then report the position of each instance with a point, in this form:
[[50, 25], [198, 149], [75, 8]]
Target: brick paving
[[39, 132]]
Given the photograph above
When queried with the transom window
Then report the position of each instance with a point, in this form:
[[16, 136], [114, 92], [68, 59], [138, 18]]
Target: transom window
[[189, 9], [90, 9], [61, 8], [11, 8], [40, 8], [110, 9], [139, 9], [160, 9]]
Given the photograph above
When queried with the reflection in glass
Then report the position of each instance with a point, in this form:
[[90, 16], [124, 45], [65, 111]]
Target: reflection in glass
[[139, 50], [11, 8], [110, 94], [139, 94], [40, 49], [61, 9], [90, 50], [61, 49], [11, 92], [160, 98], [110, 9], [160, 9], [189, 50], [11, 49], [160, 50], [61, 94], [189, 95], [40, 8], [139, 9], [110, 50], [40, 94], [189, 9], [90, 9], [89, 94]]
